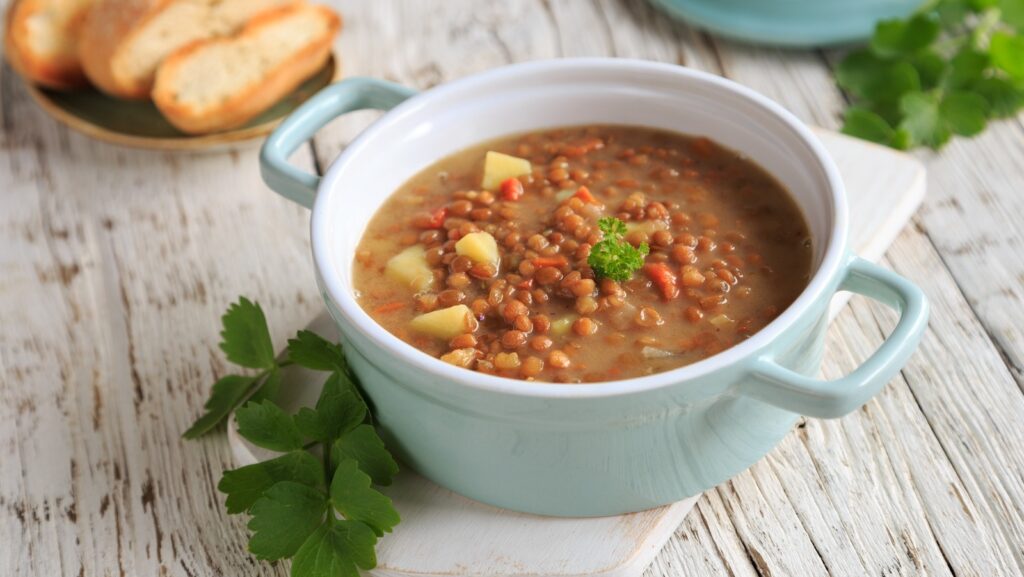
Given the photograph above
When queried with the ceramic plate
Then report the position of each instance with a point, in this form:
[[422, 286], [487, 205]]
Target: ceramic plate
[[139, 124]]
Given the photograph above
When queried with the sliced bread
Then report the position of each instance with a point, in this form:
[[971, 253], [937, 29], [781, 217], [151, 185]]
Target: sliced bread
[[123, 41], [41, 39], [222, 83]]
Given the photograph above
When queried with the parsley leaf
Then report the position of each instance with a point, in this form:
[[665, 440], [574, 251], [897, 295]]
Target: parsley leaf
[[338, 410], [265, 425], [292, 499], [312, 351], [283, 518], [245, 485], [899, 37], [1008, 54], [922, 121], [269, 388], [363, 445], [245, 338], [944, 70], [964, 113], [352, 497], [870, 77], [1004, 99], [335, 550], [863, 123], [226, 394], [613, 257]]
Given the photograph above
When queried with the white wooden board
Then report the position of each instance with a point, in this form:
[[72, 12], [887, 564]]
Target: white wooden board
[[445, 534]]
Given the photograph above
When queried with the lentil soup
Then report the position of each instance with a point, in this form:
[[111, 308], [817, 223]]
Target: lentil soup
[[583, 254]]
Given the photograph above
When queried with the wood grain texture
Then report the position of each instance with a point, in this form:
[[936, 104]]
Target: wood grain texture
[[115, 264]]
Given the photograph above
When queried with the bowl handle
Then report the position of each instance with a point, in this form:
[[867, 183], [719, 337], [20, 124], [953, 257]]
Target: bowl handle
[[326, 105], [787, 389]]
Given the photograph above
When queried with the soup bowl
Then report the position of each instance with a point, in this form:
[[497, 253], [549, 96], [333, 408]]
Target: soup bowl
[[600, 448]]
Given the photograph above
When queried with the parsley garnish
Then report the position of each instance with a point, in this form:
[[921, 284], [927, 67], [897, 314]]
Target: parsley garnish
[[319, 509], [945, 70], [613, 257]]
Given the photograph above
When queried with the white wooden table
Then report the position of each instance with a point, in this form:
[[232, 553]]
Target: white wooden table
[[115, 265]]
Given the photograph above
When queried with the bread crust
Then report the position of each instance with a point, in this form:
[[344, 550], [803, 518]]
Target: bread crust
[[111, 29], [253, 100], [107, 27], [59, 72]]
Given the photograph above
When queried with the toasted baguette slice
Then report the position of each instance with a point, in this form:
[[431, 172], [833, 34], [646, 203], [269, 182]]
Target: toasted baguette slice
[[222, 83], [41, 39], [123, 41]]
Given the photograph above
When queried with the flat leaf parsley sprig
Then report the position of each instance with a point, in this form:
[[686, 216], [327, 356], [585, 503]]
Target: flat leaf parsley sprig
[[322, 512], [613, 257], [945, 70]]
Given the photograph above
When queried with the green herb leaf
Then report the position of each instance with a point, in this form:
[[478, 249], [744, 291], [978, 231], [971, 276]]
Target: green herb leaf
[[922, 120], [338, 410], [964, 113], [335, 550], [265, 425], [312, 351], [867, 76], [930, 67], [966, 68], [269, 388], [613, 257], [283, 518], [245, 338], [1013, 13], [1007, 53], [611, 227], [1004, 99], [944, 70], [293, 512], [352, 497], [363, 445], [865, 124], [904, 37], [243, 486], [225, 396]]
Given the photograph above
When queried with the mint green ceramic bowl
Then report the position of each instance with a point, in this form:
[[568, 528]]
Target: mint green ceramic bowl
[[796, 23], [604, 448]]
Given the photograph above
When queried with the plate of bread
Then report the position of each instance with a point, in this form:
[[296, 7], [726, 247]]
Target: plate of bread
[[172, 74]]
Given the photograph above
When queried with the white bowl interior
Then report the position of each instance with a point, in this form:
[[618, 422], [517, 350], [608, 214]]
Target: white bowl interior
[[552, 94]]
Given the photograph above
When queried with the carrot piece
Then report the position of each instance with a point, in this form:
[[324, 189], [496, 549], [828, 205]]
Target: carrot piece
[[511, 189], [583, 193], [389, 307], [663, 278], [555, 261], [437, 218]]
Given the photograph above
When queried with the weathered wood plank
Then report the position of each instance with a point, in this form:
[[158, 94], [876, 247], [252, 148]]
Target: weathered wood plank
[[116, 265]]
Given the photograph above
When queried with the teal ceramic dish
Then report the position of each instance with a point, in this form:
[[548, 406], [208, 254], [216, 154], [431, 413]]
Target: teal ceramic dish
[[795, 23], [603, 448]]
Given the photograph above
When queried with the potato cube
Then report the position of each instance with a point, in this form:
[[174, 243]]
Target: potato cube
[[479, 247], [410, 268], [461, 357], [445, 323], [498, 167], [560, 327]]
